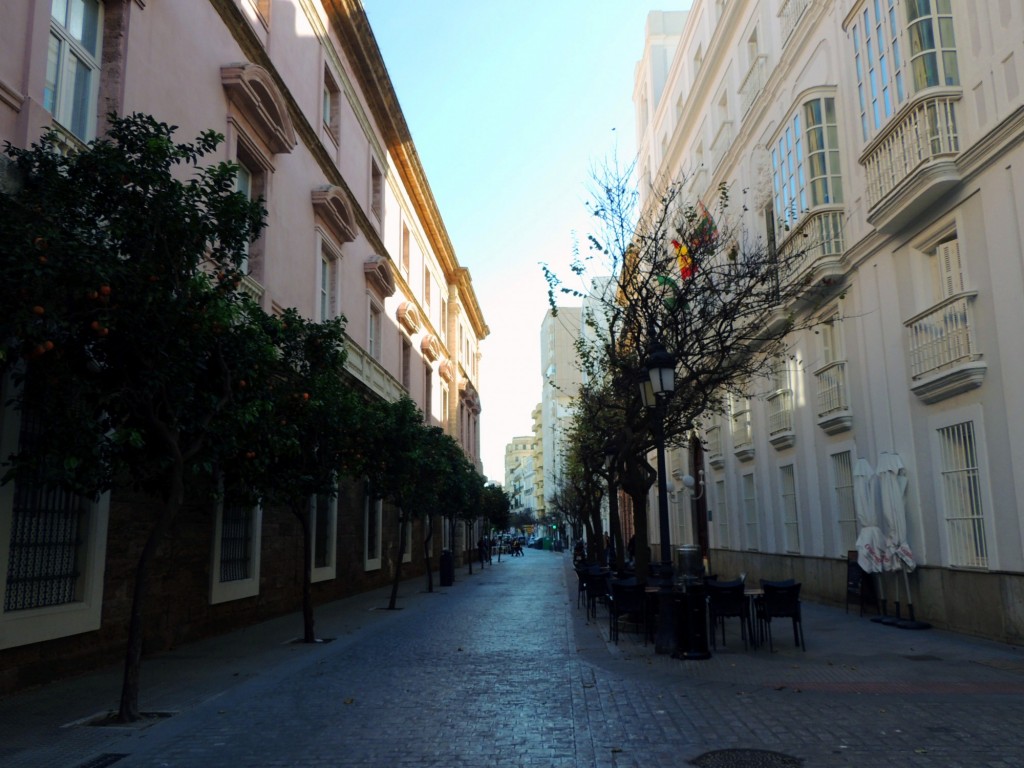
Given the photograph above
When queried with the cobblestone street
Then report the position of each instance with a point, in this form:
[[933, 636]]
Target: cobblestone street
[[503, 669]]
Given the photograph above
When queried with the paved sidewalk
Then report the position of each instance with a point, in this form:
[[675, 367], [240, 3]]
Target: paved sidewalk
[[502, 669]]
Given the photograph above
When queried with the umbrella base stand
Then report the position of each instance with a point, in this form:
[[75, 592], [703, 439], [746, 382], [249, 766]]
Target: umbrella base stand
[[884, 615], [911, 623], [891, 621]]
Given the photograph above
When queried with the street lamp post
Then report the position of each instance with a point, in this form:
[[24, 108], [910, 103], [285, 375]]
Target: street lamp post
[[655, 390]]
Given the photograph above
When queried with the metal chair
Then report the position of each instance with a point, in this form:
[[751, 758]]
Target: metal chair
[[781, 600], [625, 597], [726, 600]]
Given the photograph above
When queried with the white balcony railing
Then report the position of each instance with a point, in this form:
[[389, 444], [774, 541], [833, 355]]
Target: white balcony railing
[[789, 14], [943, 336], [819, 235], [714, 439], [742, 436], [832, 389], [780, 412], [753, 83], [924, 132]]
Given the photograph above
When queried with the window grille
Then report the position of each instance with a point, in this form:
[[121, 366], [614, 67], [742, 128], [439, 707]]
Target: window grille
[[842, 490], [236, 543], [723, 514], [961, 491], [322, 532], [47, 530], [750, 511], [790, 519]]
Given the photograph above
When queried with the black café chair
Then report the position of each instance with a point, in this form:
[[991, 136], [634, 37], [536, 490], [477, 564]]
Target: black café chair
[[625, 598], [726, 600], [781, 600], [597, 589], [581, 585]]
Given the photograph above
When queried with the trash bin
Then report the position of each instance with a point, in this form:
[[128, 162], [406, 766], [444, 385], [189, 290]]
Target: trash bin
[[447, 568]]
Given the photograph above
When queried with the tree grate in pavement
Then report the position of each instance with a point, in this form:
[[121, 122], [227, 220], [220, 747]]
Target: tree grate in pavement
[[746, 758], [102, 761]]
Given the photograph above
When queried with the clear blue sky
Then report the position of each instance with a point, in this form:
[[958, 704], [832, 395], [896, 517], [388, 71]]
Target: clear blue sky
[[511, 105]]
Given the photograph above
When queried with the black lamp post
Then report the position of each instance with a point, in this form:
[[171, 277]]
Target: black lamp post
[[655, 391]]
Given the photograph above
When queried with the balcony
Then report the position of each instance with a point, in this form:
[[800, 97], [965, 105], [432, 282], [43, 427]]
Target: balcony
[[833, 403], [742, 436], [913, 161], [815, 249], [944, 355], [714, 441], [753, 83], [789, 16], [371, 373], [780, 419]]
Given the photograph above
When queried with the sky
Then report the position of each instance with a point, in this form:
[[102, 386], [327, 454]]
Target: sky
[[512, 105]]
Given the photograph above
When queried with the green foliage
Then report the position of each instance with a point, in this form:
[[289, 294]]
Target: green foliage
[[118, 283]]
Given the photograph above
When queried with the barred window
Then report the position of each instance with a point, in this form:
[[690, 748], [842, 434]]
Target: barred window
[[961, 494], [236, 543], [842, 493], [750, 511], [723, 514], [790, 518]]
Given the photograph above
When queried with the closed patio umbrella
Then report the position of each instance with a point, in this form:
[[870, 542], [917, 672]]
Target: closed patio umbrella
[[871, 550], [892, 480]]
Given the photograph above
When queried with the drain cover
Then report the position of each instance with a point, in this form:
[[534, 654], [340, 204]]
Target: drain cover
[[746, 758]]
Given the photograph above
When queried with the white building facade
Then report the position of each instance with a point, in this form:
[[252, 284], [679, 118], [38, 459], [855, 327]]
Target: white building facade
[[561, 375], [885, 139]]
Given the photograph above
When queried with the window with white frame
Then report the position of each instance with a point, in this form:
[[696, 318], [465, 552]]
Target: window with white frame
[[932, 46], [752, 531], [53, 547], [376, 190], [428, 392], [961, 496], [331, 107], [328, 282], [323, 511], [805, 161], [722, 514], [374, 330], [842, 499], [71, 85], [235, 568], [878, 63], [742, 434], [790, 516], [948, 269], [373, 509], [251, 179]]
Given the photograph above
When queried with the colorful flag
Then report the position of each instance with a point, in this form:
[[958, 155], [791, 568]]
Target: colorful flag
[[683, 259], [705, 231]]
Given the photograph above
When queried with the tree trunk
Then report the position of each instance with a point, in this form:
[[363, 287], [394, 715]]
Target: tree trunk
[[616, 526], [308, 628], [426, 552], [403, 521], [469, 552], [129, 707]]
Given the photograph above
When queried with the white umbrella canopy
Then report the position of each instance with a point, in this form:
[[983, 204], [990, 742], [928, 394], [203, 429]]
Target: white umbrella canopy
[[892, 480], [871, 546]]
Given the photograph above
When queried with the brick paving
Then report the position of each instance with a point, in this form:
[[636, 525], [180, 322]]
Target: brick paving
[[502, 669]]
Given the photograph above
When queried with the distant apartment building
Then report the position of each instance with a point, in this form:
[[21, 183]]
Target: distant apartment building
[[309, 114], [521, 473], [561, 383], [884, 140]]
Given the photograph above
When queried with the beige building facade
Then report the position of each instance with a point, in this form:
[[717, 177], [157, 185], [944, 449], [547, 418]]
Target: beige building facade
[[300, 92], [884, 139]]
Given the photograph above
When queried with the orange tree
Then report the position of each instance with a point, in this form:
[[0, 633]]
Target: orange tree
[[289, 451], [121, 325]]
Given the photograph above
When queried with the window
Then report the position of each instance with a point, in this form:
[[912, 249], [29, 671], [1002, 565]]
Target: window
[[842, 497], [405, 250], [961, 496], [932, 56], [71, 87], [372, 514], [54, 549], [406, 372], [428, 392], [445, 412], [328, 283], [236, 551], [251, 181], [376, 190], [805, 162], [374, 332], [331, 106], [949, 271], [741, 431], [750, 511], [722, 513], [407, 554], [790, 519], [323, 509], [427, 280], [444, 321]]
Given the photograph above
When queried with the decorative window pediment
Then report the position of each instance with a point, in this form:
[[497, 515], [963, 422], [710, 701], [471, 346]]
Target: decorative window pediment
[[408, 316], [379, 275], [430, 347], [329, 204], [447, 371], [253, 91], [469, 396]]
